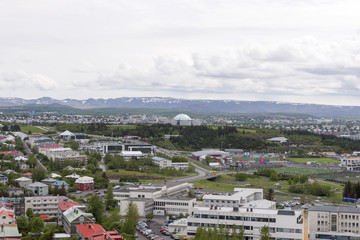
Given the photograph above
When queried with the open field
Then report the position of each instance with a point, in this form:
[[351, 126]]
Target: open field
[[215, 185], [317, 160], [33, 129], [299, 171]]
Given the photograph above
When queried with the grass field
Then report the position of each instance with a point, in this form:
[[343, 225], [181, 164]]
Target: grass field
[[33, 129], [215, 185], [299, 171], [317, 160]]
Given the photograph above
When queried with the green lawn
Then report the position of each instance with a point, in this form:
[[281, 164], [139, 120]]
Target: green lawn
[[115, 210], [215, 185], [299, 171], [33, 129], [317, 160]]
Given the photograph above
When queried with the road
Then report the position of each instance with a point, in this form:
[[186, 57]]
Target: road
[[28, 150]]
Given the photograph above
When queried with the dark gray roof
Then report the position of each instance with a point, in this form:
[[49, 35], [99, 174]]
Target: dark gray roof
[[334, 209]]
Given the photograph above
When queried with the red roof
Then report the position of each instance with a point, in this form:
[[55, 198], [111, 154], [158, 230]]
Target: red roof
[[10, 214], [87, 230], [51, 146], [27, 174], [15, 153], [5, 153], [66, 205], [109, 235], [37, 134]]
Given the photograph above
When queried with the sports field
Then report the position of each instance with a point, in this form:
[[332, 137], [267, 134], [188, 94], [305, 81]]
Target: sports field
[[317, 160], [32, 129]]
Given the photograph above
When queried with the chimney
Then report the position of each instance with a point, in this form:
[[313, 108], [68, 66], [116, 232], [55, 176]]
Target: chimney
[[89, 226], [306, 224]]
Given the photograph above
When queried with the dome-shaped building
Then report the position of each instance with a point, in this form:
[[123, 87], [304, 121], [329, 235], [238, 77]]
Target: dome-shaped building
[[182, 117]]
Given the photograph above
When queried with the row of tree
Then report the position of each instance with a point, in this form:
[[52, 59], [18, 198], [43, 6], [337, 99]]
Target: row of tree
[[351, 190], [224, 233]]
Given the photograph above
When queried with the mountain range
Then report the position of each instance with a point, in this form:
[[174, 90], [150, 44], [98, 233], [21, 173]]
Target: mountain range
[[196, 106]]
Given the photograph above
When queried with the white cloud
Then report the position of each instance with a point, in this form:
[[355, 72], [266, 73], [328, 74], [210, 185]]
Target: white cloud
[[251, 49], [24, 81]]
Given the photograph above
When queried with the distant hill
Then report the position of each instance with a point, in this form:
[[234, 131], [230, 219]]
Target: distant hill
[[195, 106]]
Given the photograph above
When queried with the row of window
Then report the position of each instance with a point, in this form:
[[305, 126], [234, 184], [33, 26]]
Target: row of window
[[353, 217], [345, 224], [237, 218], [171, 203], [220, 201]]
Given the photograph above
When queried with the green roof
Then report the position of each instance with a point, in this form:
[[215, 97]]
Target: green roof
[[71, 216]]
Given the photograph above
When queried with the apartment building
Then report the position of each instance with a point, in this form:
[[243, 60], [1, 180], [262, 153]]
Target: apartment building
[[63, 154], [350, 163], [283, 224], [44, 205], [331, 222]]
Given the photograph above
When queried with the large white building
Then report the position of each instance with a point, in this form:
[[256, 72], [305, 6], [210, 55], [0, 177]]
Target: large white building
[[283, 224], [166, 163], [63, 154], [183, 120], [350, 163], [157, 200], [241, 197]]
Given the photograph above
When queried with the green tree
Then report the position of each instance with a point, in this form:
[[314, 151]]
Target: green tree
[[110, 202], [49, 235], [38, 174], [96, 207], [303, 178], [30, 213], [74, 145], [32, 161], [270, 194], [22, 223], [131, 219], [107, 158], [36, 225], [241, 233], [265, 233], [274, 176], [149, 217]]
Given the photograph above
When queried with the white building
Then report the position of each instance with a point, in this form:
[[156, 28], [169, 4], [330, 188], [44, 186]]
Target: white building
[[241, 197], [44, 204], [166, 163], [283, 224], [173, 205], [39, 189], [350, 163], [23, 181], [63, 154], [131, 154]]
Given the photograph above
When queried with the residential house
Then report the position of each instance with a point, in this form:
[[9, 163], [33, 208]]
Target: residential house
[[39, 189], [23, 181], [85, 231], [74, 216]]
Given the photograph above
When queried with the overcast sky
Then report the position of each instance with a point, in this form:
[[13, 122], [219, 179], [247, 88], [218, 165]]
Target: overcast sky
[[277, 50]]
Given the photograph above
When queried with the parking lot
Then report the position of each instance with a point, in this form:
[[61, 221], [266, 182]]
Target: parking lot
[[155, 225]]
